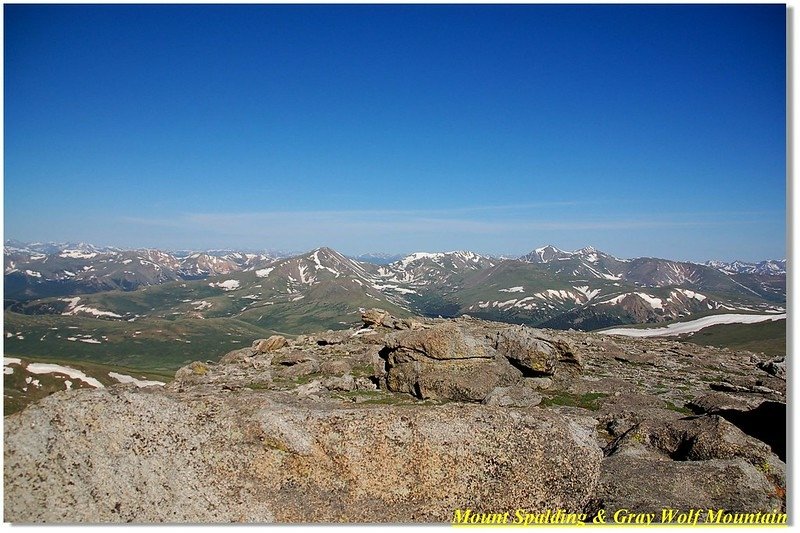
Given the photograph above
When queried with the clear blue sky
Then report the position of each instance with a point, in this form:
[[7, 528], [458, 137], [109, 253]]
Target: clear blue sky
[[641, 130]]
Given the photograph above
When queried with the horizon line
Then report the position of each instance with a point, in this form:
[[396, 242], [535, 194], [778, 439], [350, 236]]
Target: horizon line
[[355, 256]]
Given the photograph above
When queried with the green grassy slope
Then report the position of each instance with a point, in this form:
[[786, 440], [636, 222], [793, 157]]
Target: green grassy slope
[[766, 337], [21, 387], [147, 344]]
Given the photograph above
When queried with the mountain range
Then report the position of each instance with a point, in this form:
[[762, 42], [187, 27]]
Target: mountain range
[[35, 270], [152, 311]]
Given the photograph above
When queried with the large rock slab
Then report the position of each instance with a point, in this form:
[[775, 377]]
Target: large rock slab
[[691, 463], [648, 484], [443, 341], [445, 362], [119, 455], [468, 380], [536, 352]]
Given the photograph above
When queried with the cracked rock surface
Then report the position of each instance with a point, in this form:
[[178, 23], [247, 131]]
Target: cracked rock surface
[[405, 421]]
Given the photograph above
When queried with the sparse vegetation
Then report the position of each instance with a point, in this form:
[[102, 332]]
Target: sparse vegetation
[[680, 409], [586, 401]]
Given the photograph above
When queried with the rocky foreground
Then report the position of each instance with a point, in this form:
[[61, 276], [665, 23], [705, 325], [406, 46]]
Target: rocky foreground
[[408, 420]]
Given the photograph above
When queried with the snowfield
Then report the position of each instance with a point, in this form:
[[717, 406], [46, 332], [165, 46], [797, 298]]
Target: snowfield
[[123, 378], [692, 326], [74, 309], [46, 368], [264, 272], [227, 285]]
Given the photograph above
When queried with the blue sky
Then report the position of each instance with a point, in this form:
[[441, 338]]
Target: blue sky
[[641, 130]]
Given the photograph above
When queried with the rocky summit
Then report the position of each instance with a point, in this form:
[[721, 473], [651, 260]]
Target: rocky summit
[[408, 420]]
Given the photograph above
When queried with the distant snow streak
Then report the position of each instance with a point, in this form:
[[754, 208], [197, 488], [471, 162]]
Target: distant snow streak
[[123, 378], [680, 328]]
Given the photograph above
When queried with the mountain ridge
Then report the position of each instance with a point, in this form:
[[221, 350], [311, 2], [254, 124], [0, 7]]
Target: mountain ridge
[[586, 290]]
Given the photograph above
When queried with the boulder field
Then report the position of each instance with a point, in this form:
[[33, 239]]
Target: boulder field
[[408, 420]]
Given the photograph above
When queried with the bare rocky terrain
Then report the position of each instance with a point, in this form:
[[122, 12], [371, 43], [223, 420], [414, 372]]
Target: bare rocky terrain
[[405, 420]]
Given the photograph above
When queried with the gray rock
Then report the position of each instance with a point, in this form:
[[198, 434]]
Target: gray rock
[[150, 457], [518, 395], [242, 355], [443, 341], [337, 367], [292, 358], [468, 380], [195, 372], [344, 383], [374, 317], [333, 337], [715, 402], [535, 351], [275, 342], [644, 484], [776, 367], [696, 439]]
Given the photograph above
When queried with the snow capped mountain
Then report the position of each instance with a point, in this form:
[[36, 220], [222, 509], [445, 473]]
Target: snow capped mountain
[[546, 254], [586, 263], [425, 268], [549, 253], [771, 267], [315, 266], [585, 288], [37, 270], [47, 248]]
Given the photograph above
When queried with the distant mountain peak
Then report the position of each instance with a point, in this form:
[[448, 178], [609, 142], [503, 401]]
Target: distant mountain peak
[[547, 248], [768, 267], [545, 254]]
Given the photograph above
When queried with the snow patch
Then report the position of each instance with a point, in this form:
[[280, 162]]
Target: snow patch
[[416, 256], [513, 289], [75, 309], [691, 294], [264, 272], [122, 378], [654, 302], [202, 305], [586, 291], [679, 328], [46, 368], [77, 254], [227, 285]]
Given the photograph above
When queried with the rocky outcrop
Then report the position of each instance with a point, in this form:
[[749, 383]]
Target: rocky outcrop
[[698, 462], [444, 362], [379, 317], [776, 367], [121, 456], [275, 342], [399, 421], [536, 353], [646, 484], [459, 361]]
